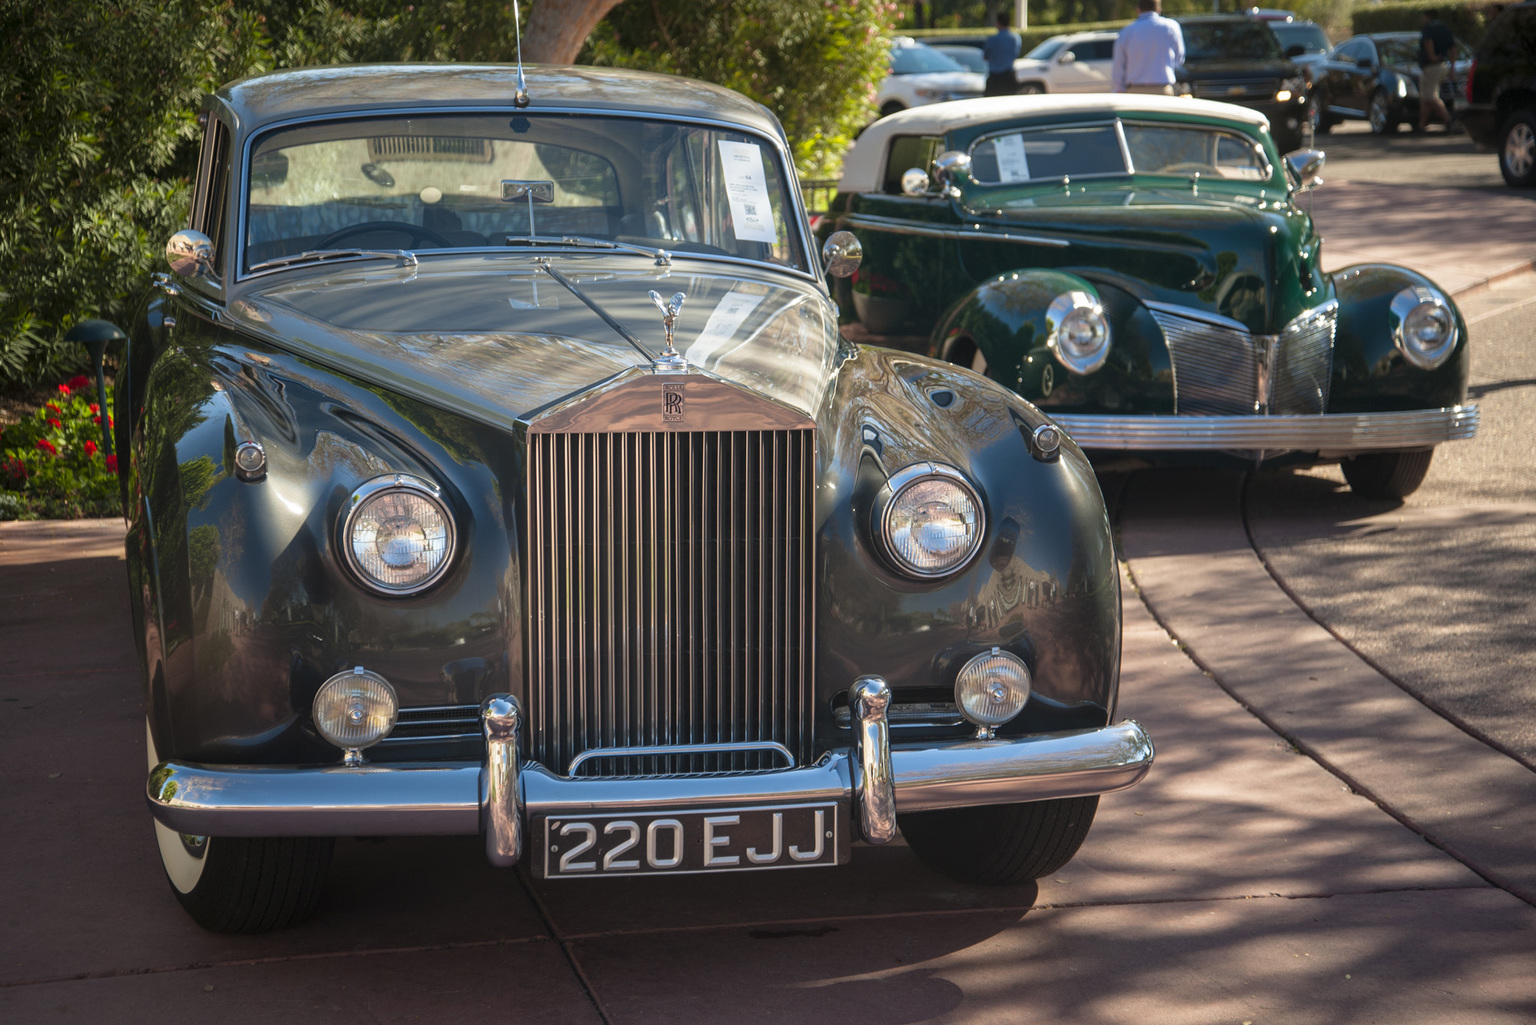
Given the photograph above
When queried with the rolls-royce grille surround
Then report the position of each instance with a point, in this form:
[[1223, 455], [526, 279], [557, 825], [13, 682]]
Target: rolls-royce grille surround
[[1226, 370], [670, 598]]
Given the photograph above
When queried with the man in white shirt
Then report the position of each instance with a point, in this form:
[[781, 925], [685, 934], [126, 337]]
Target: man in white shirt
[[1147, 51]]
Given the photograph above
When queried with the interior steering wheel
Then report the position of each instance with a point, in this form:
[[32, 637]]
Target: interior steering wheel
[[415, 231]]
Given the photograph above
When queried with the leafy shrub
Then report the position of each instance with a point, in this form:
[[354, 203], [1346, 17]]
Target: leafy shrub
[[52, 465], [1467, 22], [814, 63]]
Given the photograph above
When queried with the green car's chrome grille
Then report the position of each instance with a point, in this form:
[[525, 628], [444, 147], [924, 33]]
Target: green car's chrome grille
[[1222, 369]]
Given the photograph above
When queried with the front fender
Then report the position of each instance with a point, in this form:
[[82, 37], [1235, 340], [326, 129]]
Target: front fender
[[1369, 371], [1044, 584]]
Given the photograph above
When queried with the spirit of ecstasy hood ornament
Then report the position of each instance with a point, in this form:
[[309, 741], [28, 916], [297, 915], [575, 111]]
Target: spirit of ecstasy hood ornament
[[669, 362]]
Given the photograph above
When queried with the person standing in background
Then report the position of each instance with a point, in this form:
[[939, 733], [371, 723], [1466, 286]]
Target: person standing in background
[[1147, 51], [1001, 50], [1435, 46]]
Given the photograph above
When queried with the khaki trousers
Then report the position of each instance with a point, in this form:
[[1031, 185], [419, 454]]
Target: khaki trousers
[[1156, 90]]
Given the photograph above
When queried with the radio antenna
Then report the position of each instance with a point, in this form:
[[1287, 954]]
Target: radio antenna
[[520, 98]]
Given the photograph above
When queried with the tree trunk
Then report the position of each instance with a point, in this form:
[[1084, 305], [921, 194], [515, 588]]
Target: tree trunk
[[557, 28]]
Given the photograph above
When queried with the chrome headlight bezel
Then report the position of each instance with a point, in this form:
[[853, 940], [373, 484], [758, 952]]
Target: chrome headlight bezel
[[888, 502], [377, 488], [1421, 301], [1062, 315]]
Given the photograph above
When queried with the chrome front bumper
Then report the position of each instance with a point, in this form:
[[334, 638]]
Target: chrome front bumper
[[499, 798], [1336, 433]]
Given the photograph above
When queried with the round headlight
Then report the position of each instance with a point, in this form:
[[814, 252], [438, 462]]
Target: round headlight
[[1077, 332], [1423, 326], [398, 536], [992, 688], [928, 520], [355, 709]]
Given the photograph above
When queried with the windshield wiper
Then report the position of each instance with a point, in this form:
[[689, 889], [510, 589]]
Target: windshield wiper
[[661, 256], [321, 255]]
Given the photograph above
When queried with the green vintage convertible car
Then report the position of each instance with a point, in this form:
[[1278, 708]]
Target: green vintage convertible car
[[1139, 269]]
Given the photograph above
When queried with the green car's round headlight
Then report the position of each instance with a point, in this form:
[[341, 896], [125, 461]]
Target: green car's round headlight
[[1077, 331], [398, 536], [928, 520], [1423, 326]]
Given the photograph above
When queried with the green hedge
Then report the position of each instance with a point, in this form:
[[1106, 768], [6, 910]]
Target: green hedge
[[1032, 36], [1466, 21]]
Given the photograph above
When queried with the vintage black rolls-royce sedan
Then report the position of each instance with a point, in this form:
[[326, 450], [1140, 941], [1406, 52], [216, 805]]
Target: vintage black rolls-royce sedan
[[1141, 269], [496, 467]]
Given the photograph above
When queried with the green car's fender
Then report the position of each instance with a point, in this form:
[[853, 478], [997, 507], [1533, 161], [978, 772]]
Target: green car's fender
[[1369, 371]]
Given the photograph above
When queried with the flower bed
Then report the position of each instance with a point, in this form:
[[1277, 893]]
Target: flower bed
[[52, 465]]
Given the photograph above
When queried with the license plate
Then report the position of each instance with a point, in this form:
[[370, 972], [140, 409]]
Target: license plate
[[686, 842]]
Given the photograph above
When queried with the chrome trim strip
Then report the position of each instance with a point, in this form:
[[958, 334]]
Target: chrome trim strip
[[679, 749], [501, 812], [874, 789], [1341, 432], [445, 799], [1190, 313], [908, 228]]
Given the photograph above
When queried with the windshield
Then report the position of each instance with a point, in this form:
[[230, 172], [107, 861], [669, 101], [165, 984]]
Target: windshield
[[1216, 40], [920, 60], [1399, 50], [1046, 50], [1085, 151], [1311, 38], [449, 182]]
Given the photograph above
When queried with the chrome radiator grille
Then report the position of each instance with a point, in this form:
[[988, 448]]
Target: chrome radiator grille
[[671, 600], [1225, 370]]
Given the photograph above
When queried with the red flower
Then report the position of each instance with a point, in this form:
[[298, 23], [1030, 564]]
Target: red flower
[[95, 408], [63, 389], [90, 447], [112, 463], [53, 406], [79, 382], [54, 423], [95, 419], [47, 446]]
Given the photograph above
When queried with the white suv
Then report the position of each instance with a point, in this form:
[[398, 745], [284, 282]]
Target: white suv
[[1079, 63], [920, 74]]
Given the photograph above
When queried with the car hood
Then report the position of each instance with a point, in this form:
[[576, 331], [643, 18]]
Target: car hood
[[1235, 254], [500, 341]]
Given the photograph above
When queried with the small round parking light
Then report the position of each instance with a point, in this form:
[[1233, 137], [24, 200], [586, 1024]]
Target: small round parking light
[[991, 689], [355, 710], [1423, 326]]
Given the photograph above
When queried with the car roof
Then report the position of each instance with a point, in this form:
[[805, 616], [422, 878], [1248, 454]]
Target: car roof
[[319, 91], [863, 165]]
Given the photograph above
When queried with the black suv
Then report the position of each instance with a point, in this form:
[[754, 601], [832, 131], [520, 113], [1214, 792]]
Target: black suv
[[1500, 108], [1238, 60]]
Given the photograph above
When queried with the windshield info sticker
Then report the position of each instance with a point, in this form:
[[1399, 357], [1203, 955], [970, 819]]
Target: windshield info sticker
[[1012, 165], [746, 186], [734, 308]]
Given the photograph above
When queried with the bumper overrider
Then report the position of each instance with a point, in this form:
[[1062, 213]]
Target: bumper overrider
[[503, 798], [1328, 433]]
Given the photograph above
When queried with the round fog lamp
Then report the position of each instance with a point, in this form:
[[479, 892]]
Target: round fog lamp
[[1423, 327], [991, 689], [1077, 332], [355, 709], [928, 520]]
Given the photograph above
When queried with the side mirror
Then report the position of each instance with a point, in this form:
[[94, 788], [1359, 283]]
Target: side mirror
[[914, 182], [1067, 57], [841, 254], [190, 254], [952, 168], [1295, 50], [1304, 167]]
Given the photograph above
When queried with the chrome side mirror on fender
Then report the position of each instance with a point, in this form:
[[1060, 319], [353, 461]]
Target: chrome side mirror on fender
[[952, 168], [1304, 168], [841, 254], [190, 254]]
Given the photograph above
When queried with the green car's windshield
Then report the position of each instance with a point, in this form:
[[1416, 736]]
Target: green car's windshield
[[453, 182], [1051, 153]]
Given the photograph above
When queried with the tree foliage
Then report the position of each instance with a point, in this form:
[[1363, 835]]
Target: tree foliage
[[814, 63]]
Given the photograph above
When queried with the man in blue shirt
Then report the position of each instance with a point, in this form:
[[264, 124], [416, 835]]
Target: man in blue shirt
[[1001, 50], [1147, 51]]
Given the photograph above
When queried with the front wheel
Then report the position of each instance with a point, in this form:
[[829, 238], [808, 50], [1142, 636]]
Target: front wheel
[[1000, 844], [1317, 113], [1387, 474], [1381, 116], [243, 884], [1517, 150]]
